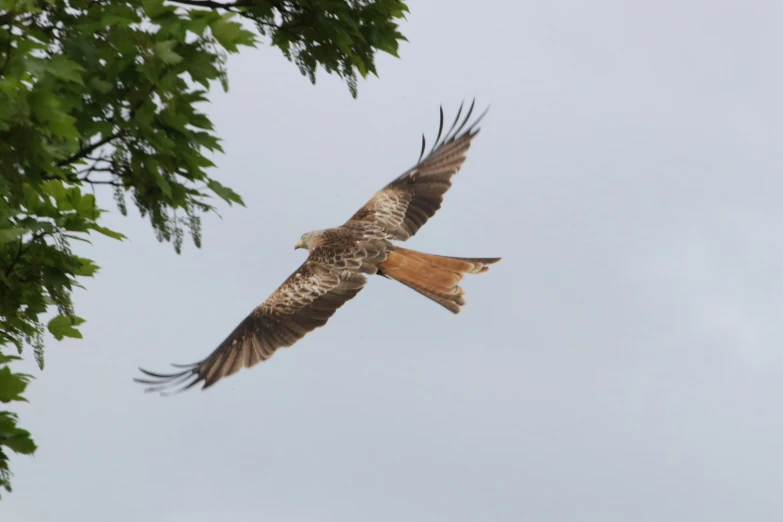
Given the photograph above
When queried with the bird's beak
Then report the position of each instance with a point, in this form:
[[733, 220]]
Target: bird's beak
[[298, 245]]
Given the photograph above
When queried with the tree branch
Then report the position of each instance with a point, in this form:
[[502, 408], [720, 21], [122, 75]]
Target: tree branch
[[93, 168], [8, 46], [214, 5], [22, 250], [102, 182], [83, 153]]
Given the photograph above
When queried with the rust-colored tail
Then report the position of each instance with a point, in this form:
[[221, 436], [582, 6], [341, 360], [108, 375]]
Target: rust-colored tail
[[436, 277]]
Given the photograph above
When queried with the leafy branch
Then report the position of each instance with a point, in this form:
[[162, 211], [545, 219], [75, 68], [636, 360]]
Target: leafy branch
[[86, 151], [209, 4], [109, 93]]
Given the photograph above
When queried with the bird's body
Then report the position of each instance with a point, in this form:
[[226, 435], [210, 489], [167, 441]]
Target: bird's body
[[341, 258]]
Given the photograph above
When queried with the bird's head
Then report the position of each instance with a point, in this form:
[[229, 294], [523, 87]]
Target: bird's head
[[306, 241]]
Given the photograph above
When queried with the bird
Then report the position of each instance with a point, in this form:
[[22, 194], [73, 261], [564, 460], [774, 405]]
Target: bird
[[340, 259]]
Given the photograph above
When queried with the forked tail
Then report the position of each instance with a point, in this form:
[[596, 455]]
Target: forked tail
[[436, 277]]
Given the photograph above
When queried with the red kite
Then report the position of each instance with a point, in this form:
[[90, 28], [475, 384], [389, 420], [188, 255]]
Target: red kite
[[339, 258]]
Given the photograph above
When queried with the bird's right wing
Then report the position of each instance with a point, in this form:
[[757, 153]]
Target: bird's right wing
[[305, 301]]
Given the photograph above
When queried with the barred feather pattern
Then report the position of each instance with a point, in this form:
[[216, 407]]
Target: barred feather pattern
[[339, 260], [403, 206], [435, 277], [304, 302]]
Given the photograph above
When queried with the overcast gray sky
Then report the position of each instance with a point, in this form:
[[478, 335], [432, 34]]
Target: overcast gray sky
[[624, 362]]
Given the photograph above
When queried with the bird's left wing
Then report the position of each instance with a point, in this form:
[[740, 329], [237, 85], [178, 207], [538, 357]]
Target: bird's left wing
[[305, 301], [403, 206]]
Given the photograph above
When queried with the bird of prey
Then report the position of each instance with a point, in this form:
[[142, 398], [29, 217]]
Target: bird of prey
[[339, 260]]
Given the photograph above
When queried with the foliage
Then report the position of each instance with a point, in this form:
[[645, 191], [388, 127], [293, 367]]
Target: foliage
[[101, 92], [342, 36], [12, 436]]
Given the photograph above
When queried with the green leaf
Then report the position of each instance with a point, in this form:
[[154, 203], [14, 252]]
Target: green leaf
[[101, 85], [9, 234], [4, 359], [113, 19], [64, 126], [164, 51], [43, 105], [163, 185], [107, 232], [14, 438], [228, 195], [145, 114], [65, 69], [12, 385], [200, 19], [87, 267], [156, 8], [86, 207], [231, 34], [207, 141], [63, 326], [56, 189]]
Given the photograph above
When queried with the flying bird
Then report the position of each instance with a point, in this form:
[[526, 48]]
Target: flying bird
[[339, 260]]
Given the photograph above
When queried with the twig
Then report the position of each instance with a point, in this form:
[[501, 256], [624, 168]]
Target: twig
[[21, 251], [83, 153], [214, 5], [96, 182], [93, 168]]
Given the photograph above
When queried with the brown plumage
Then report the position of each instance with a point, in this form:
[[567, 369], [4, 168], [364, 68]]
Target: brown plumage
[[339, 258], [436, 277]]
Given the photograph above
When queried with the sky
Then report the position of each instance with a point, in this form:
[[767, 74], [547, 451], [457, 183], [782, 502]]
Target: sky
[[624, 362]]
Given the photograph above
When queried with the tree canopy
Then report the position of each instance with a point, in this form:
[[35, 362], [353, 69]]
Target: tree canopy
[[103, 92]]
